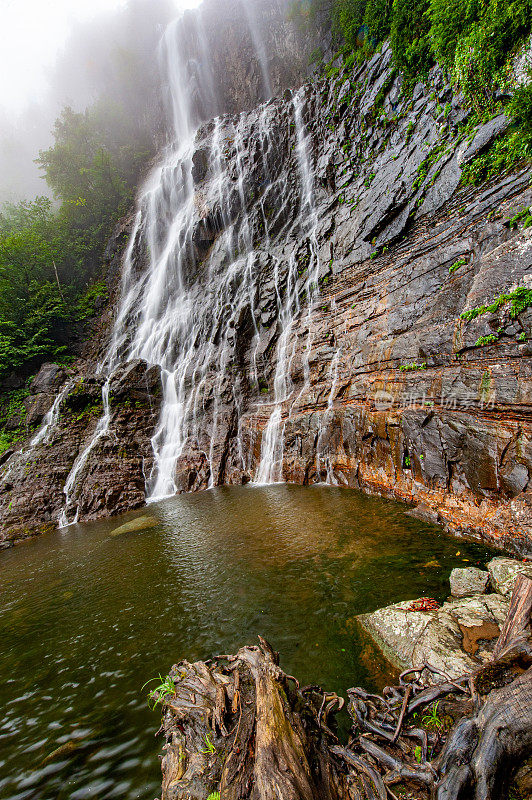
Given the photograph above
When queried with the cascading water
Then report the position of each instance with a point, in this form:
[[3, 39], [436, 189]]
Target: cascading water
[[271, 461], [51, 417], [199, 275], [164, 313]]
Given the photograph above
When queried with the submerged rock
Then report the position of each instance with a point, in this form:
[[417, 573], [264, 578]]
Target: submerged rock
[[139, 524]]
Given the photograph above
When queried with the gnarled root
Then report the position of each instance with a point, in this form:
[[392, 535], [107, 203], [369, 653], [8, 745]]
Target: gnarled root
[[479, 757], [241, 726]]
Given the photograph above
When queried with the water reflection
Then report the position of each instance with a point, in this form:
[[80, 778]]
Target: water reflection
[[86, 618]]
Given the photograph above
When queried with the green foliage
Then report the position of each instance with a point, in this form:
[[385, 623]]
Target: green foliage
[[431, 718], [377, 17], [520, 106], [87, 304], [448, 20], [490, 339], [33, 310], [524, 216], [472, 39], [520, 299], [507, 152], [93, 168], [12, 409], [165, 688], [412, 367], [210, 748], [348, 18], [457, 264], [214, 796], [409, 37], [39, 285]]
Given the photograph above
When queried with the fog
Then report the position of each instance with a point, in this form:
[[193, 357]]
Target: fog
[[71, 52]]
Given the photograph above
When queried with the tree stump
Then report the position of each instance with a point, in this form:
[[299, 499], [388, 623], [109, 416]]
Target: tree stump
[[241, 727]]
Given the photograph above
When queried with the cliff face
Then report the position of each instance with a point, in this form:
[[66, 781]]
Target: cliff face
[[334, 347]]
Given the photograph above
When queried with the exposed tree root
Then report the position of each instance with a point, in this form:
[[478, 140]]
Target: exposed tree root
[[240, 726]]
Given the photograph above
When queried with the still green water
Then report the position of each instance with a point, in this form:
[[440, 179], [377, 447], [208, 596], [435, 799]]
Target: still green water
[[87, 617]]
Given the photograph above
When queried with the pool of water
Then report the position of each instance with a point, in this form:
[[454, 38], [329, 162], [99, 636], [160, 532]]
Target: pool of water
[[86, 617]]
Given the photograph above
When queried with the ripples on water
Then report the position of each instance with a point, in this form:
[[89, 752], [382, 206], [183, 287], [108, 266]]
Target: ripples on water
[[86, 618]]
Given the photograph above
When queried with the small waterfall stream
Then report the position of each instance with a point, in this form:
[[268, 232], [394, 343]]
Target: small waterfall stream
[[271, 461]]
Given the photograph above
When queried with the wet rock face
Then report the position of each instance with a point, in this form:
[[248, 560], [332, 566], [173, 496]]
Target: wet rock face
[[255, 52], [392, 390], [113, 480]]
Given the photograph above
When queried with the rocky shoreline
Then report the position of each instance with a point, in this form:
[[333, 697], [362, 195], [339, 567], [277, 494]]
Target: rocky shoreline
[[457, 637], [239, 726]]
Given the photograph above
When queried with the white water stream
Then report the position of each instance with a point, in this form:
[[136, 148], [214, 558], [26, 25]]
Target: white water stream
[[185, 325], [270, 469]]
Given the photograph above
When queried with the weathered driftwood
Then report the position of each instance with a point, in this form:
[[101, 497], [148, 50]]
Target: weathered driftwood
[[240, 726]]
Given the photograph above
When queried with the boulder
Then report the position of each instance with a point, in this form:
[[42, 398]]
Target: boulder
[[461, 635], [37, 406], [485, 135], [504, 571], [135, 380], [48, 379], [467, 581], [396, 629], [454, 639]]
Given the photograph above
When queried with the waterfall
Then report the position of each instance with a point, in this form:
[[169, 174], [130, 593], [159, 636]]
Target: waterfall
[[51, 417], [260, 49], [192, 272], [270, 468], [164, 312]]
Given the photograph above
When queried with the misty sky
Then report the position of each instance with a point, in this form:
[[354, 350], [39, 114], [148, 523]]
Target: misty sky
[[32, 33]]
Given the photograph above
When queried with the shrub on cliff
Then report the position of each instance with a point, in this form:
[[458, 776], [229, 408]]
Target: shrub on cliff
[[472, 39], [409, 37]]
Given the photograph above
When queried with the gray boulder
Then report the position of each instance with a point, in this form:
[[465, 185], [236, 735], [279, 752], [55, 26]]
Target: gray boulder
[[396, 630], [455, 639], [504, 571], [485, 135], [49, 378], [462, 634], [468, 581]]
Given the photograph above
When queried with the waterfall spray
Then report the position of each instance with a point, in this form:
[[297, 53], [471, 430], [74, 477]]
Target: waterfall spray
[[163, 313]]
